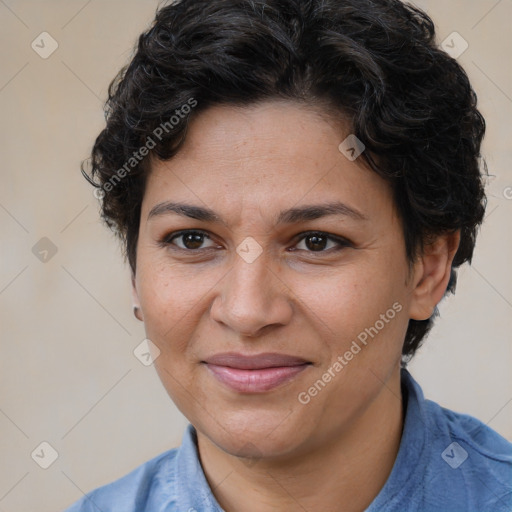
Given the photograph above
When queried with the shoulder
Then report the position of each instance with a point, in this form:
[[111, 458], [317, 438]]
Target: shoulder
[[477, 435], [132, 492], [447, 461], [469, 461]]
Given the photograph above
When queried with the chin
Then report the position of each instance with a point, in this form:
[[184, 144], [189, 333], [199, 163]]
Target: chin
[[255, 434]]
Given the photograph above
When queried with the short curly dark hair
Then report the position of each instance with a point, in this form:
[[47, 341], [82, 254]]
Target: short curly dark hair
[[373, 62]]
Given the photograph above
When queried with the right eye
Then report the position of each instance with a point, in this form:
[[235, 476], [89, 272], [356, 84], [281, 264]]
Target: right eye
[[191, 240]]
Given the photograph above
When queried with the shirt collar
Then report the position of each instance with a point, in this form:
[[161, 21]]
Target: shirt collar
[[194, 493], [415, 437]]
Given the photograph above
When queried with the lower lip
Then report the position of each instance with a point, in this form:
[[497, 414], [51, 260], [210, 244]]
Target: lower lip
[[255, 381]]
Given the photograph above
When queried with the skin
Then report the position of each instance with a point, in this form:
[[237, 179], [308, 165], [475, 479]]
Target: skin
[[267, 451]]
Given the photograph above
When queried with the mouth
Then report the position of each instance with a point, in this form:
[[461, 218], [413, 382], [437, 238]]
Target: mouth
[[254, 374]]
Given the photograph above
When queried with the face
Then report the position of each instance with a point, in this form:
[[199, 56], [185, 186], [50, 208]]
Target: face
[[253, 269]]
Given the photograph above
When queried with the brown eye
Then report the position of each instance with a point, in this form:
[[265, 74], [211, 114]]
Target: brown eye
[[318, 242], [190, 240]]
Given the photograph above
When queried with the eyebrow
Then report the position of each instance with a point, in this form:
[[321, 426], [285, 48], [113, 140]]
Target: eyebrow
[[290, 216]]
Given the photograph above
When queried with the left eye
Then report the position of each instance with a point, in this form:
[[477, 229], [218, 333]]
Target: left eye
[[315, 241]]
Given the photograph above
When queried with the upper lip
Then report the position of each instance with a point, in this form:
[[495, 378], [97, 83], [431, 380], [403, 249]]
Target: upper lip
[[254, 362]]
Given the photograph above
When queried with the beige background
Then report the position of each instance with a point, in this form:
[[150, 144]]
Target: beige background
[[68, 374]]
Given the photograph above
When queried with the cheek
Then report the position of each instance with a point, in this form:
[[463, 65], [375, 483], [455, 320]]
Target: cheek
[[163, 300], [170, 303], [363, 304], [342, 301], [174, 299]]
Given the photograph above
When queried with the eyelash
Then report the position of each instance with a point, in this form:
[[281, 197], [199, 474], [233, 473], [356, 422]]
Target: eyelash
[[166, 242]]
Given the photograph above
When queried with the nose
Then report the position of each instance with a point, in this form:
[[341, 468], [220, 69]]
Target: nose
[[252, 298]]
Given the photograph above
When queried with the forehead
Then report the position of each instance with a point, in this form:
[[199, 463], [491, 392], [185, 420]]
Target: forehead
[[272, 154]]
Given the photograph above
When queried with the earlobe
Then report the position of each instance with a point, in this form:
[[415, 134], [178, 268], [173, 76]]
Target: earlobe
[[136, 303], [433, 274]]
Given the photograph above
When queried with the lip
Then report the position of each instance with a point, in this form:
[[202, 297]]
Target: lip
[[257, 373]]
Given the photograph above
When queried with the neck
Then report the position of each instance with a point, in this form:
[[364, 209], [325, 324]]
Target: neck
[[343, 473]]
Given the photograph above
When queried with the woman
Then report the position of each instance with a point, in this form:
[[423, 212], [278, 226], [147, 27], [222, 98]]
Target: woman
[[296, 183]]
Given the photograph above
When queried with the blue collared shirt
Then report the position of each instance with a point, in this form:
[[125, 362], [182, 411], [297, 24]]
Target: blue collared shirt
[[447, 462]]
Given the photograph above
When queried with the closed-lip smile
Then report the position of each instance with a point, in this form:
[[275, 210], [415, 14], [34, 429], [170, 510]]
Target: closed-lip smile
[[254, 373]]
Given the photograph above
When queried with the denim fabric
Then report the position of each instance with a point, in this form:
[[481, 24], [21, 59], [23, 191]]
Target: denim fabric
[[447, 462]]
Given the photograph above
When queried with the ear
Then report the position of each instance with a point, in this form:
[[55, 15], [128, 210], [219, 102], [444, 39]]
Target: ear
[[432, 274], [137, 311]]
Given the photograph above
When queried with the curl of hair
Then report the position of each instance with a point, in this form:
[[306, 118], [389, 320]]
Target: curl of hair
[[373, 62]]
